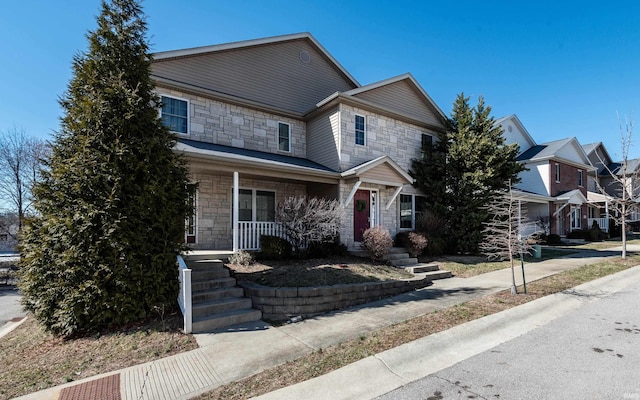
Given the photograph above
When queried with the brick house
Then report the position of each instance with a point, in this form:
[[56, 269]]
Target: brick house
[[554, 186], [265, 119]]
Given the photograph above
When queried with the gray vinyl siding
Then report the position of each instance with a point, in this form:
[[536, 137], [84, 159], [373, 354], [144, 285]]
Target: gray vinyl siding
[[402, 97], [322, 147], [271, 74]]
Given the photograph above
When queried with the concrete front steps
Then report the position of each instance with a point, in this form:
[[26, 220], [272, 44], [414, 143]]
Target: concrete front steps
[[399, 257], [217, 301]]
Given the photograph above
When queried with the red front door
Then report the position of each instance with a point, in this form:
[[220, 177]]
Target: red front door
[[361, 212]]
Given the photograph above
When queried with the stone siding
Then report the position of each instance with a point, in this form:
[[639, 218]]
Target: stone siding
[[384, 136], [214, 205], [226, 124], [280, 304]]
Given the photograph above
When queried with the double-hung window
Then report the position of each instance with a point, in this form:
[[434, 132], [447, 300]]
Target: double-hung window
[[411, 209], [580, 177], [557, 172], [175, 114], [284, 137], [427, 142], [256, 205], [361, 130]]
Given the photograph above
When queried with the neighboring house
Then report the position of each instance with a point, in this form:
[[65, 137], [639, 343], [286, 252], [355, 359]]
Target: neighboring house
[[8, 235], [261, 120], [554, 186]]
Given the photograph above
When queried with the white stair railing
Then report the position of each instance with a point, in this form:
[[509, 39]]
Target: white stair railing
[[184, 298]]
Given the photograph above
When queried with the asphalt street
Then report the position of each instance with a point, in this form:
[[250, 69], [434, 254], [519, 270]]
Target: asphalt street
[[590, 353], [10, 306]]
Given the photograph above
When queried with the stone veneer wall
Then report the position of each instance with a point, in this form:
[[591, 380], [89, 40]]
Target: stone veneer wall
[[214, 205], [387, 218], [226, 124], [384, 136], [280, 304]]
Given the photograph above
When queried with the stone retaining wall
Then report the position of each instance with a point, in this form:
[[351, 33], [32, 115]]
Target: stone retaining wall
[[282, 303]]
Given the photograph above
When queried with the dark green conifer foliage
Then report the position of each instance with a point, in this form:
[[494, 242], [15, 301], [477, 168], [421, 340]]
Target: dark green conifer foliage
[[113, 201], [463, 171]]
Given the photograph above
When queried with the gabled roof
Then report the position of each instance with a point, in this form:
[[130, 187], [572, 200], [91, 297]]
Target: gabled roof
[[513, 118], [382, 170], [632, 167], [390, 83], [194, 51], [558, 150], [284, 74], [574, 196]]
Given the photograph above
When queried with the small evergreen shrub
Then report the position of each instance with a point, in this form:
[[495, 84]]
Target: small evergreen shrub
[[241, 258], [274, 248], [327, 248], [580, 234], [417, 243], [435, 247], [553, 239], [378, 242]]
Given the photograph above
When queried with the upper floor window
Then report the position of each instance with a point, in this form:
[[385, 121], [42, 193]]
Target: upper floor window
[[427, 142], [557, 172], [284, 136], [580, 182], [361, 131], [175, 114]]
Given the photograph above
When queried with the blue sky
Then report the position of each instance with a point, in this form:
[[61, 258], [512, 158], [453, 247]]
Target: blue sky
[[564, 67]]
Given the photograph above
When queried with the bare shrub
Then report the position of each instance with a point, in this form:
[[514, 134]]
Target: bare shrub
[[417, 243], [431, 224], [377, 241], [241, 258], [309, 220]]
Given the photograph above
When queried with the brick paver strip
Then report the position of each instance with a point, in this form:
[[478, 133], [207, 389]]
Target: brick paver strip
[[107, 388]]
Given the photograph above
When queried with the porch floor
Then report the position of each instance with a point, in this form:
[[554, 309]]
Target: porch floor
[[208, 254]]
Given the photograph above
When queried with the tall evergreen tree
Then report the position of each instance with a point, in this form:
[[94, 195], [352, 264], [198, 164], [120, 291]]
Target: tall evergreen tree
[[463, 170], [113, 201]]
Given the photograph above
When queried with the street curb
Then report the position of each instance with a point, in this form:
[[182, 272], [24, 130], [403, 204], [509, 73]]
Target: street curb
[[11, 325], [381, 373]]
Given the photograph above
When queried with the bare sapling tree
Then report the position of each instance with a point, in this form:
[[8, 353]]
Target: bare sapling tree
[[502, 239], [309, 220], [623, 181], [21, 158]]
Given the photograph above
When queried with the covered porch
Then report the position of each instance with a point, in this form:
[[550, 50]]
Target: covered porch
[[237, 191], [599, 210]]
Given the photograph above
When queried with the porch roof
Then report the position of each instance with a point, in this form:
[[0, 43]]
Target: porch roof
[[234, 157], [594, 197], [530, 197], [382, 170], [574, 196]]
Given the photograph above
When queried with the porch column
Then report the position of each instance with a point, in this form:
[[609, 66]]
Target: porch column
[[606, 212], [236, 206]]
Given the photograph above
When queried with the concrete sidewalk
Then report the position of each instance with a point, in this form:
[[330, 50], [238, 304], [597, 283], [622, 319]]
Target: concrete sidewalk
[[232, 354]]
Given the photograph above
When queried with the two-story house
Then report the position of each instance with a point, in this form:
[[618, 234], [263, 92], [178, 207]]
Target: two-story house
[[265, 119], [555, 182]]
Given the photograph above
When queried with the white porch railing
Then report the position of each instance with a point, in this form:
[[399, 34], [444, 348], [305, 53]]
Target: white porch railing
[[249, 233], [603, 223], [184, 298], [527, 229]]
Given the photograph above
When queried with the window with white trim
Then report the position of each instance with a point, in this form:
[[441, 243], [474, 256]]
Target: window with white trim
[[284, 137], [411, 209], [576, 216], [175, 114], [256, 205], [557, 172], [361, 130], [580, 177]]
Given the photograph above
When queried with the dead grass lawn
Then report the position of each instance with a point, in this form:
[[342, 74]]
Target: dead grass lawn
[[334, 357], [33, 360]]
